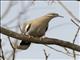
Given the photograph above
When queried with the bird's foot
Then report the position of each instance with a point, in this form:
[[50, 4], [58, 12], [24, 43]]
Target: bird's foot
[[43, 37], [29, 36]]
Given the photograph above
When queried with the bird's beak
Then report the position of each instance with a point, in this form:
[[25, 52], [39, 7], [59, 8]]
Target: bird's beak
[[61, 16]]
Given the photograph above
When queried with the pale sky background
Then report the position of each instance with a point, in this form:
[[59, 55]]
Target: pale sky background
[[60, 28]]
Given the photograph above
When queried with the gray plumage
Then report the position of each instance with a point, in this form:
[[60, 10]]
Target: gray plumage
[[36, 28]]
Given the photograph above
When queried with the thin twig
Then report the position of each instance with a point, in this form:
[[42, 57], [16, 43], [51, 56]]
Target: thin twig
[[2, 52], [25, 10], [67, 52], [76, 35], [74, 42], [57, 50], [74, 55], [7, 10], [76, 32], [61, 51], [75, 23], [46, 55], [69, 12], [14, 50]]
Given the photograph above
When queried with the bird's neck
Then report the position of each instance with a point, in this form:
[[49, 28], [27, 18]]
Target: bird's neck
[[46, 19]]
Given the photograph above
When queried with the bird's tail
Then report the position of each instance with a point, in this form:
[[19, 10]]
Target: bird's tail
[[24, 45]]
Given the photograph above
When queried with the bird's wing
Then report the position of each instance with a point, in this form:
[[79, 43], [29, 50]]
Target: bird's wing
[[46, 29], [26, 27]]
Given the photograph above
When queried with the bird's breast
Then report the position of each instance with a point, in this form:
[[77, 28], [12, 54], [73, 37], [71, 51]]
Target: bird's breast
[[37, 30]]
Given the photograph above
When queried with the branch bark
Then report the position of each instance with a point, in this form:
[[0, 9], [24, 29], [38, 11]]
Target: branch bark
[[40, 40]]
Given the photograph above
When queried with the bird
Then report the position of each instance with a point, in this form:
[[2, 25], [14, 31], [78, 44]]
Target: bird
[[36, 27]]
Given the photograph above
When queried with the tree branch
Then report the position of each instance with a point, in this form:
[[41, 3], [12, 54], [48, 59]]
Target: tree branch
[[40, 40]]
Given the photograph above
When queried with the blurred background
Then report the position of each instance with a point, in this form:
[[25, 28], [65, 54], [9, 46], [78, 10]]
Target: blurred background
[[15, 13]]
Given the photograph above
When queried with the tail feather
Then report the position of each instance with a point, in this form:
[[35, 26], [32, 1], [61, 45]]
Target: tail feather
[[24, 45]]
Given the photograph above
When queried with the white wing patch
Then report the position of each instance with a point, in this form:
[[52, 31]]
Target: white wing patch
[[26, 27]]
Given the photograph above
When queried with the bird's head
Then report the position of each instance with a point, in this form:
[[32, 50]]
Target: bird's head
[[53, 15]]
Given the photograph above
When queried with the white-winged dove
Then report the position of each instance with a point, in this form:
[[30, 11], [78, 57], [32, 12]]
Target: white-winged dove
[[36, 28]]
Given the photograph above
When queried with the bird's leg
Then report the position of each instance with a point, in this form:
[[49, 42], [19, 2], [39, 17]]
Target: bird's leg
[[42, 37], [29, 36]]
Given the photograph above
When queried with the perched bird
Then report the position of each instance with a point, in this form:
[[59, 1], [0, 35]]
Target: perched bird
[[36, 28]]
